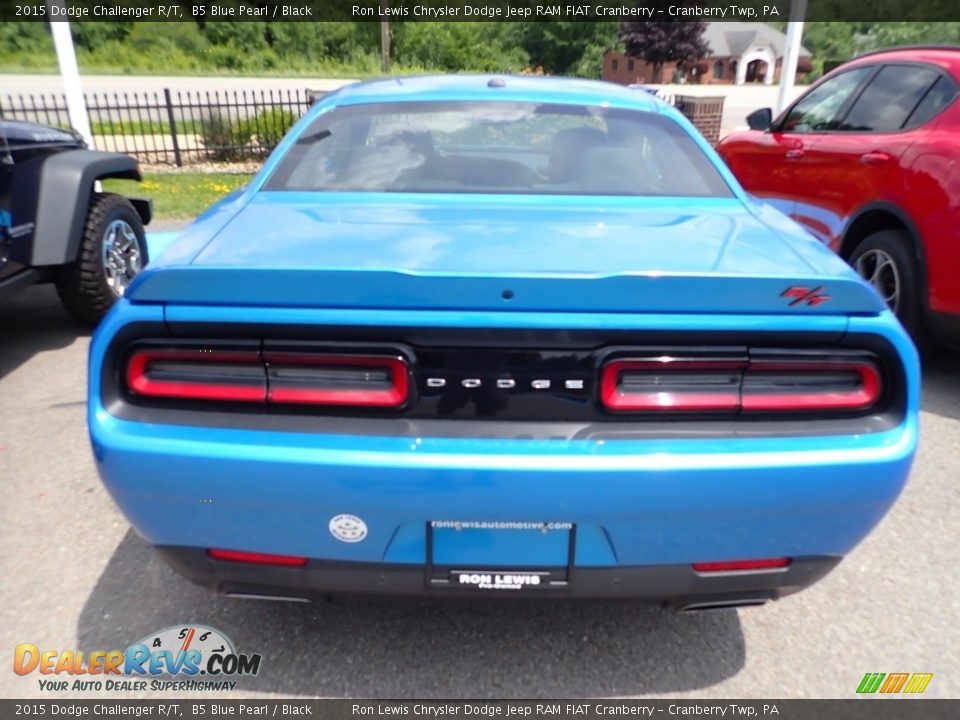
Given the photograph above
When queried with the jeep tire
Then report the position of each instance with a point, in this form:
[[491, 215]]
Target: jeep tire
[[112, 251]]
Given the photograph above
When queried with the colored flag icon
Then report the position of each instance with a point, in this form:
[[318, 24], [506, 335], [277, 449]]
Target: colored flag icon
[[892, 683]]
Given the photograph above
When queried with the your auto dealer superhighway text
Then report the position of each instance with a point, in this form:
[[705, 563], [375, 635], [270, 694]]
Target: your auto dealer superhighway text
[[443, 710]]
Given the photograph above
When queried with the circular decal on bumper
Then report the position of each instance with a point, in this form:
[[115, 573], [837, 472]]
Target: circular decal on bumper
[[348, 528]]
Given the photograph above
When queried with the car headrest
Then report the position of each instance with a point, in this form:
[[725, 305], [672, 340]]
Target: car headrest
[[567, 151]]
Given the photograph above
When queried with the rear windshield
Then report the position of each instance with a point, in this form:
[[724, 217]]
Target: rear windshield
[[499, 148]]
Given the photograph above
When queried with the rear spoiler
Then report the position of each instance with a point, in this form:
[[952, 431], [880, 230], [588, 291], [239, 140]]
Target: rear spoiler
[[402, 290]]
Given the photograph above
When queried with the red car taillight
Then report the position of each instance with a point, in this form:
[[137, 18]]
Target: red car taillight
[[778, 386], [669, 383], [376, 381], [337, 380], [197, 374], [747, 386]]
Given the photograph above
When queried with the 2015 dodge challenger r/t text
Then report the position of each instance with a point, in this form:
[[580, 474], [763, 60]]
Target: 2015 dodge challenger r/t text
[[501, 336]]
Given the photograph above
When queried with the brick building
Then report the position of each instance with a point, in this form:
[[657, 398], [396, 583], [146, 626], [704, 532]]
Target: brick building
[[740, 52]]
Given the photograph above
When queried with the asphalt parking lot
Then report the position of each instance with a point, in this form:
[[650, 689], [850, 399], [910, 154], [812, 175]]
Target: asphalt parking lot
[[73, 576]]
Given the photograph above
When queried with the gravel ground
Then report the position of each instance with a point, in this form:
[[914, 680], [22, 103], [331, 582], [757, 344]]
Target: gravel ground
[[74, 576]]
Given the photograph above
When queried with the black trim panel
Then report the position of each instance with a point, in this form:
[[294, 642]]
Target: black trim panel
[[673, 585], [528, 414], [22, 279]]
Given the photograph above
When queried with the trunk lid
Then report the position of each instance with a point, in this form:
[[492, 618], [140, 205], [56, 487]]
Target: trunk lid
[[511, 253]]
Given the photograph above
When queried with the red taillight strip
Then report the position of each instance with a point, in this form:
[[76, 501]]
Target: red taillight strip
[[394, 396], [740, 396], [741, 565], [253, 558], [140, 382], [856, 399], [614, 398]]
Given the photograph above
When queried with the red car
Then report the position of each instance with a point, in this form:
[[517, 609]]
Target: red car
[[868, 160]]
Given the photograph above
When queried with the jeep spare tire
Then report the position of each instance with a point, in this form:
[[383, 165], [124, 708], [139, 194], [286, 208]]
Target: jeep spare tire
[[112, 251]]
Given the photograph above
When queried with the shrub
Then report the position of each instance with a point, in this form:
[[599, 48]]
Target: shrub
[[241, 35], [271, 124], [223, 137]]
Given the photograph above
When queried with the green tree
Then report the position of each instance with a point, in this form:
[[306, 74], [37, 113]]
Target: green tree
[[244, 37], [457, 46], [662, 42], [24, 37], [91, 34], [832, 42], [323, 40], [892, 34], [566, 47]]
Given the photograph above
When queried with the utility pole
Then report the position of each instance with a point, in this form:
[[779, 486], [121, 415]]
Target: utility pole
[[384, 39], [791, 54], [67, 59]]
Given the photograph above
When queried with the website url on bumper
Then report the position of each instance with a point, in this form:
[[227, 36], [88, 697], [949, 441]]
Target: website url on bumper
[[499, 525]]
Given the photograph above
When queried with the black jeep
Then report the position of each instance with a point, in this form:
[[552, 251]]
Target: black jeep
[[55, 224]]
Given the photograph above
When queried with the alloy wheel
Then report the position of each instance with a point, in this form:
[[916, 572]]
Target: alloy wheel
[[880, 270], [121, 256]]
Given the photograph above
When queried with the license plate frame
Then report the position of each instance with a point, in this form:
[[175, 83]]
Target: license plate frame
[[520, 579]]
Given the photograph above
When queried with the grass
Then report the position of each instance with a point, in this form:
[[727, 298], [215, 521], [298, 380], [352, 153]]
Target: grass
[[129, 127], [179, 195]]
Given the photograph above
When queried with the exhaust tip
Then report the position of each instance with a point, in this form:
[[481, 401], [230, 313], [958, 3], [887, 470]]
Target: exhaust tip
[[254, 596], [722, 604]]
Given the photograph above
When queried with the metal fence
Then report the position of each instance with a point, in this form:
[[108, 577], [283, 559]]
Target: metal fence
[[174, 127], [180, 128]]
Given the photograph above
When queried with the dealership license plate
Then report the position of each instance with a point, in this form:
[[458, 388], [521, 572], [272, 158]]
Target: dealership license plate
[[503, 580], [499, 556]]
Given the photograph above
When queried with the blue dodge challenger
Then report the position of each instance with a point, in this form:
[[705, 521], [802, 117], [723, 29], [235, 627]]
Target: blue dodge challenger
[[501, 336]]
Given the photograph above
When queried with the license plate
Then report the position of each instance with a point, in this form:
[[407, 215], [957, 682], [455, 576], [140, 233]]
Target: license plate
[[509, 557], [505, 580]]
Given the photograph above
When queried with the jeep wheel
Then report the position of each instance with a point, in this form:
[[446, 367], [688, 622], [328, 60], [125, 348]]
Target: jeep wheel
[[112, 251]]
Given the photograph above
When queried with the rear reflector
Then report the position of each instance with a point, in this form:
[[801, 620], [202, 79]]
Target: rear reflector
[[361, 380], [252, 558], [733, 385], [197, 374], [740, 565]]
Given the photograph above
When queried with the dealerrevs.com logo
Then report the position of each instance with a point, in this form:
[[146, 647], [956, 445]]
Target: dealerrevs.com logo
[[179, 658]]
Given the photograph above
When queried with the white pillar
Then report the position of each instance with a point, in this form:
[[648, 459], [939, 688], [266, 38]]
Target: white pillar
[[791, 54], [67, 59]]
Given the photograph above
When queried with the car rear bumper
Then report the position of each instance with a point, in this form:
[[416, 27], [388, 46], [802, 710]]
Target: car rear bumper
[[633, 504], [677, 586], [643, 509]]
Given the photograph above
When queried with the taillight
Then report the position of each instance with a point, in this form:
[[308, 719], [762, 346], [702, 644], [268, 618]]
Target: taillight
[[778, 386], [360, 380], [253, 558], [757, 385], [197, 374], [669, 383], [374, 381], [741, 565]]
